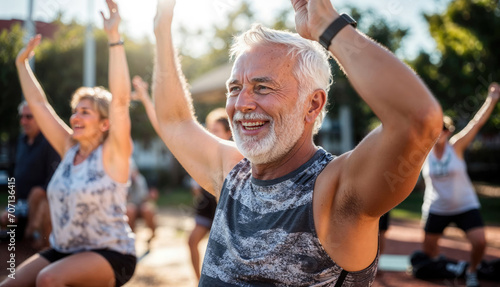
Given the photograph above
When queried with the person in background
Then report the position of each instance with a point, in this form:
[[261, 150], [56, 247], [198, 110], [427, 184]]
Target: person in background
[[383, 226], [36, 161], [141, 201], [449, 193], [91, 241], [141, 198], [216, 123]]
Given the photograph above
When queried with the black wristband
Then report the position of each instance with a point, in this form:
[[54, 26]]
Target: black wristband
[[326, 38], [119, 43]]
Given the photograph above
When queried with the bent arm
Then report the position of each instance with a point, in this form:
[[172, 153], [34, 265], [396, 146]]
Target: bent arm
[[141, 93], [54, 129], [205, 157], [389, 160], [382, 170], [461, 140]]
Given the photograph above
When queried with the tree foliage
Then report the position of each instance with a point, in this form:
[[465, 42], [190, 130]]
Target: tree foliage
[[11, 41], [341, 92], [219, 43], [459, 74], [468, 42], [59, 69]]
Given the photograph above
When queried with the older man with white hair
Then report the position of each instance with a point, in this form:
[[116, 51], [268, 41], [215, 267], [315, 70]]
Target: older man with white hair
[[290, 213]]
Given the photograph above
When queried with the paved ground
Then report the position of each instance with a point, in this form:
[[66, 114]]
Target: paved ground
[[168, 262]]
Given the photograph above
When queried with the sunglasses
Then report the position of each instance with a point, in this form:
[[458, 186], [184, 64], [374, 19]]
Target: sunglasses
[[27, 116]]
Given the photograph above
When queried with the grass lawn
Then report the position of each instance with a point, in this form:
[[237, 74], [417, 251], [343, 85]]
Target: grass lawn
[[175, 197]]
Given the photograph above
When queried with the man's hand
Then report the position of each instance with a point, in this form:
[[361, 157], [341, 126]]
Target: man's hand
[[140, 89], [111, 24], [494, 91], [164, 15], [28, 52], [312, 17]]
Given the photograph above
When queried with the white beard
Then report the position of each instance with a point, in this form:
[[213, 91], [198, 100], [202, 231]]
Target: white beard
[[270, 147]]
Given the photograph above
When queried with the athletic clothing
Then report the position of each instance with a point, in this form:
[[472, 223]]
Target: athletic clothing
[[205, 209], [448, 189], [123, 265], [383, 222], [87, 207], [138, 192], [35, 164], [264, 233], [465, 221]]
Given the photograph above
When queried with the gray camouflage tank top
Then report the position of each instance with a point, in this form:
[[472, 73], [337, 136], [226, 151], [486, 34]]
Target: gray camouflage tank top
[[263, 233]]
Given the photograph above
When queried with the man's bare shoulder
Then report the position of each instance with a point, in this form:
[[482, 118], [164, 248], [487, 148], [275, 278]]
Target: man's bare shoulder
[[333, 170], [329, 179]]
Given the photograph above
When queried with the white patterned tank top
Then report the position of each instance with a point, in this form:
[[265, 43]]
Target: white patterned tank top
[[87, 207], [448, 188], [263, 233]]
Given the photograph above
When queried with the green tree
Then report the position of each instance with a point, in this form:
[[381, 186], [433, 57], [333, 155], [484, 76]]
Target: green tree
[[217, 54], [11, 41], [467, 60], [219, 44]]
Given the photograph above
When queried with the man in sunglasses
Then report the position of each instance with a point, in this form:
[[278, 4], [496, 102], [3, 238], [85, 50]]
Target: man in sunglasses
[[36, 161]]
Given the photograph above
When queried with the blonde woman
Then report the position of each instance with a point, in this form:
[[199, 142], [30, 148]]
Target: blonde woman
[[91, 242]]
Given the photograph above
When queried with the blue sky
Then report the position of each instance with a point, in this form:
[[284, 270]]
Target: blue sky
[[138, 15]]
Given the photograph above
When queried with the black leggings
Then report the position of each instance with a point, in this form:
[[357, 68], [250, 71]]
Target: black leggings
[[123, 264], [465, 221]]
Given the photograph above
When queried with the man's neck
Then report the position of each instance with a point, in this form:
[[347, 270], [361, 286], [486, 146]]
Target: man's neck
[[291, 161]]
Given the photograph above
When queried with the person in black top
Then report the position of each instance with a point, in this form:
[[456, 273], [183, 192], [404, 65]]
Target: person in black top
[[36, 161], [217, 124]]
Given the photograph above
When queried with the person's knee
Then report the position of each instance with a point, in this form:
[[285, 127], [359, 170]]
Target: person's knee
[[193, 241], [131, 210], [47, 278], [146, 212]]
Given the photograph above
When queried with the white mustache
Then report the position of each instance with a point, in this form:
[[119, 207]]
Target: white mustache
[[239, 116]]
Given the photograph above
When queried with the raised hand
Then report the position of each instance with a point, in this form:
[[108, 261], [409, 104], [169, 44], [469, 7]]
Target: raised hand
[[111, 24], [164, 15], [312, 17], [140, 89], [494, 91], [27, 52]]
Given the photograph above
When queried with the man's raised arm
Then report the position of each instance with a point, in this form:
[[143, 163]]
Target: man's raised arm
[[205, 157], [382, 170]]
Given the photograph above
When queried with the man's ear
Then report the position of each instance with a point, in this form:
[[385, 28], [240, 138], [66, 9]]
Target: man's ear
[[316, 102]]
